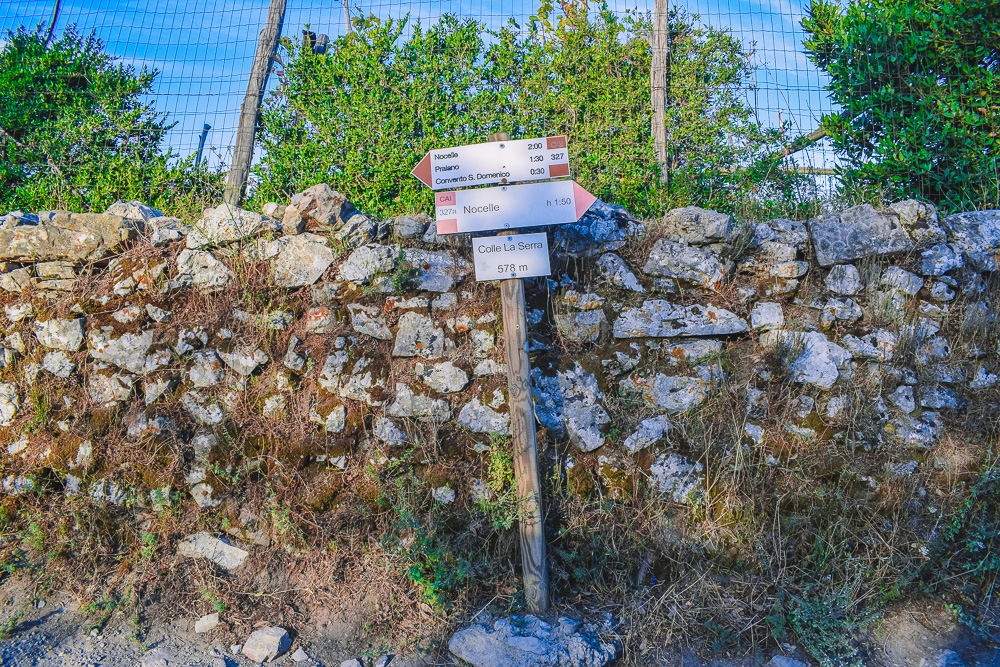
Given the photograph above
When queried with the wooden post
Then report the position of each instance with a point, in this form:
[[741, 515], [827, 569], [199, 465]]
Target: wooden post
[[534, 570], [347, 16], [660, 47], [267, 46]]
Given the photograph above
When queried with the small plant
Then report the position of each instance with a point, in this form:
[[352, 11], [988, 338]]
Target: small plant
[[503, 507], [405, 274], [40, 418], [148, 550], [213, 599]]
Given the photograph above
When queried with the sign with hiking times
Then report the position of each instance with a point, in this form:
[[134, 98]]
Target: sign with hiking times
[[510, 207], [502, 257], [497, 162]]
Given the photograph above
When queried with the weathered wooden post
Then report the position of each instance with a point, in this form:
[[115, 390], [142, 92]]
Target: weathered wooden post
[[524, 439], [267, 46], [536, 201], [660, 48]]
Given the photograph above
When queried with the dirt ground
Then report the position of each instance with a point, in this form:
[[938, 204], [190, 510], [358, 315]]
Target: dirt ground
[[54, 632]]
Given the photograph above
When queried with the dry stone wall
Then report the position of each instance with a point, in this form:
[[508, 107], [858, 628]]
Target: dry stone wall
[[148, 361]]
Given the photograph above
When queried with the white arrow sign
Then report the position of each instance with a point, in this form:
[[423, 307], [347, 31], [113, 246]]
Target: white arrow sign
[[494, 162], [502, 257], [511, 206]]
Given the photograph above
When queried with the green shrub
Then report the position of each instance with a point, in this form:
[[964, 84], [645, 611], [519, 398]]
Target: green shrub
[[918, 85], [75, 134], [363, 114]]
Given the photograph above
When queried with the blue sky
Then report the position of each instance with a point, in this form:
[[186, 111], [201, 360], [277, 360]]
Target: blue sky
[[204, 48]]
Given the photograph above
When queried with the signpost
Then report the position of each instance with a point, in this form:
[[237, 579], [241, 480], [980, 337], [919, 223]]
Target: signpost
[[494, 162], [501, 257], [509, 258], [510, 207]]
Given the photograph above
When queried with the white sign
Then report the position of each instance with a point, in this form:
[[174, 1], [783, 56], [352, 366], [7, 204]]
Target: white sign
[[494, 162], [511, 206], [501, 257]]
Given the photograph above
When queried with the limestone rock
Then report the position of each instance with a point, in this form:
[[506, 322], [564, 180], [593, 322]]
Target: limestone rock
[[220, 552], [676, 477], [879, 345], [134, 210], [437, 270], [59, 364], [810, 357], [416, 336], [335, 421], [201, 409], [528, 641], [698, 226], [267, 644], [323, 206], [444, 378], [358, 378], [18, 311], [587, 326], [369, 321], [206, 623], [479, 418], [367, 262], [781, 230], [616, 270], [920, 221], [649, 432], [9, 403], [206, 368], [227, 224], [583, 416], [975, 233], [298, 260], [76, 237], [840, 309], [110, 389], [321, 319], [858, 232], [129, 351], [901, 280], [767, 316], [418, 406], [244, 362], [663, 319], [939, 260], [387, 431], [16, 280], [200, 268], [166, 230], [158, 314], [406, 227], [603, 228], [671, 393], [58, 334], [700, 266]]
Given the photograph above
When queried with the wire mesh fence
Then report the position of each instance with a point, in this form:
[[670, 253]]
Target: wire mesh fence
[[743, 89]]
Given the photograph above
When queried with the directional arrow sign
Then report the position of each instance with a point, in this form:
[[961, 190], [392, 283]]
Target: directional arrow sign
[[510, 206], [494, 162]]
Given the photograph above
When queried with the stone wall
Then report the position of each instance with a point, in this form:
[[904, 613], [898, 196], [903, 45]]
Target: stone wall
[[147, 360]]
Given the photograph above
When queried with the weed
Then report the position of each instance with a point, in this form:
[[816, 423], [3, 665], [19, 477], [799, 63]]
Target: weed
[[210, 597], [40, 418], [148, 550], [503, 505], [405, 275]]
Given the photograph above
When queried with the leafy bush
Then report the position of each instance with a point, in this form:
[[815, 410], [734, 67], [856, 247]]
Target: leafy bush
[[364, 113], [919, 88], [75, 134]]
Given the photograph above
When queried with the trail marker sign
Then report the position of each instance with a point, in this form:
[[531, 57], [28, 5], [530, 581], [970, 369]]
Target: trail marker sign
[[510, 258], [510, 206], [496, 162], [502, 257]]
